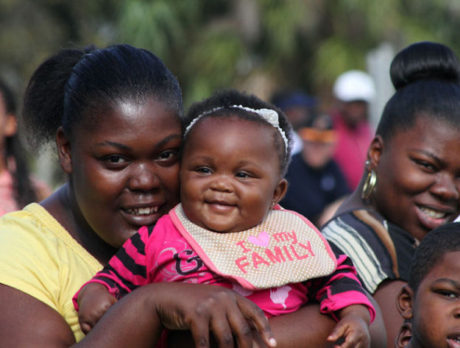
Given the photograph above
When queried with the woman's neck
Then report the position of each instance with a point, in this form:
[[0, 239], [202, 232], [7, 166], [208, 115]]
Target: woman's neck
[[64, 208], [354, 201]]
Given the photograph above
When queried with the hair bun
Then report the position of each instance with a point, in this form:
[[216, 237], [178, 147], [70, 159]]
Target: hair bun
[[424, 61]]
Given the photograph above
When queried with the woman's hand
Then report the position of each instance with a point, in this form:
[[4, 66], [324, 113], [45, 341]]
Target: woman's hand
[[230, 317]]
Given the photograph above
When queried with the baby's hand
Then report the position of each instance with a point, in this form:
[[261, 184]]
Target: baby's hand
[[93, 301], [353, 328]]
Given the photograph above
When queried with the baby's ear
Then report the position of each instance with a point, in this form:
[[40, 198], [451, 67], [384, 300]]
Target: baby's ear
[[280, 191], [405, 301]]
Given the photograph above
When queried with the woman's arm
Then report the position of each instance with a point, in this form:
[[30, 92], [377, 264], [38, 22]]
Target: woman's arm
[[138, 319], [386, 296], [28, 322], [179, 306], [304, 328], [309, 328]]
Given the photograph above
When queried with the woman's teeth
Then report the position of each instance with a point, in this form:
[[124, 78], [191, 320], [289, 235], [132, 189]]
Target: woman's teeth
[[142, 211], [433, 213]]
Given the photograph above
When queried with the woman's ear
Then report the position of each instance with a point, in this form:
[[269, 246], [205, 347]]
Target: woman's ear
[[63, 146], [405, 302], [11, 126], [280, 191], [375, 151]]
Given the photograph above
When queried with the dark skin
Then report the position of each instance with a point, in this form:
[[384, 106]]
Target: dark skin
[[433, 310], [114, 176], [249, 179], [417, 189], [98, 164]]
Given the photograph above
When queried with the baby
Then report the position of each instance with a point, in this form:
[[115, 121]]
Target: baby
[[230, 231], [430, 303]]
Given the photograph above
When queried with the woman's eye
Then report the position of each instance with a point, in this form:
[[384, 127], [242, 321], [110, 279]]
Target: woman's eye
[[426, 165], [114, 159], [448, 293], [168, 155]]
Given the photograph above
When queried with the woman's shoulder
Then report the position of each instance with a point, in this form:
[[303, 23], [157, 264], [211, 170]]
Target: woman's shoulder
[[363, 235], [33, 221], [34, 228], [361, 218]]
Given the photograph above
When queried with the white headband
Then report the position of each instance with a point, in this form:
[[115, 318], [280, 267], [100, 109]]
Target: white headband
[[269, 115]]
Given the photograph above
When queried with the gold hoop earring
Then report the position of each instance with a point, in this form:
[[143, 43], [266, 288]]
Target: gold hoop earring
[[369, 185]]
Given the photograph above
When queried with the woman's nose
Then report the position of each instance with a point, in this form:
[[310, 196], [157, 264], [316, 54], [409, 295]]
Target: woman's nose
[[143, 177], [456, 311], [447, 187]]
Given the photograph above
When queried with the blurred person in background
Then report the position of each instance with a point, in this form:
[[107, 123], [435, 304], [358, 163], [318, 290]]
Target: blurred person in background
[[299, 108], [354, 90], [315, 180], [17, 189]]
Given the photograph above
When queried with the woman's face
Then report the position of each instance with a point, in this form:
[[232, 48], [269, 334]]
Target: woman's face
[[418, 176], [124, 168]]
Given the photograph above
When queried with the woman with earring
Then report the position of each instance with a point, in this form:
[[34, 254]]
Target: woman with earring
[[411, 182]]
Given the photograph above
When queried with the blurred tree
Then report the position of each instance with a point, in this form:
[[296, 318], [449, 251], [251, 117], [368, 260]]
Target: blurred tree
[[262, 45], [256, 45]]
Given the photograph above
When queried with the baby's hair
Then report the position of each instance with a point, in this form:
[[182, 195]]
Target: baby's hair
[[24, 192], [76, 83], [432, 248], [223, 104], [426, 76]]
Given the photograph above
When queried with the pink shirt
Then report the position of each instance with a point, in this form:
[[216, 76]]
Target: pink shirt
[[7, 200], [162, 254], [351, 149]]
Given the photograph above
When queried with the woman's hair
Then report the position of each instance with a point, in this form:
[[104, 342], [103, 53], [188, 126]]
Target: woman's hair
[[75, 84], [16, 162], [223, 104], [426, 76], [432, 248]]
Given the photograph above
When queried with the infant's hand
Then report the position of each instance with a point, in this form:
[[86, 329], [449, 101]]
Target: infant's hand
[[352, 331], [93, 301]]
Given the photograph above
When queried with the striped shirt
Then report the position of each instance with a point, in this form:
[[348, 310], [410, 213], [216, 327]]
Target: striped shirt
[[379, 250]]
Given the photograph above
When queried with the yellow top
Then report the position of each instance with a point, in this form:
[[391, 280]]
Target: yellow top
[[40, 258]]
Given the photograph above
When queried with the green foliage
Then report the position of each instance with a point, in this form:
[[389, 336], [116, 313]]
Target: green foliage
[[211, 44]]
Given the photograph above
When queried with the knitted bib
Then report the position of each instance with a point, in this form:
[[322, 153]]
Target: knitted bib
[[284, 248]]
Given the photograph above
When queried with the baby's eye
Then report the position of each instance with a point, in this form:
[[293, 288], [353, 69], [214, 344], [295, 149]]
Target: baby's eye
[[203, 170], [243, 175]]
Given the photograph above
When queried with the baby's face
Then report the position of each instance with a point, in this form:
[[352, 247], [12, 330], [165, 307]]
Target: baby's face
[[230, 174], [436, 307]]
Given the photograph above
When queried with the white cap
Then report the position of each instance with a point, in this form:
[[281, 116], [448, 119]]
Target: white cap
[[354, 85]]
